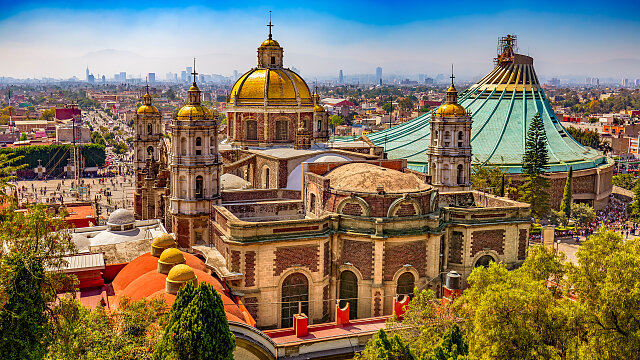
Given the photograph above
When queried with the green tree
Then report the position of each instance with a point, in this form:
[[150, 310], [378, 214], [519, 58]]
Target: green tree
[[48, 114], [382, 347], [23, 137], [198, 327], [565, 206], [387, 107], [606, 281], [453, 347], [582, 214], [534, 188], [635, 205], [625, 181], [31, 244], [490, 178]]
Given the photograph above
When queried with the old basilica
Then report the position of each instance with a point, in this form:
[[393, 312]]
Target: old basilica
[[297, 225]]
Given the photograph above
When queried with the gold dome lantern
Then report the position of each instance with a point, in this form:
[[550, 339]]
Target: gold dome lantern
[[178, 276], [168, 259], [162, 242], [147, 107], [451, 110]]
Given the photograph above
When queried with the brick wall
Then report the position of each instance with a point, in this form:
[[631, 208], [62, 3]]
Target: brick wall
[[352, 209], [523, 242], [235, 260], [327, 259], [360, 254], [183, 232], [395, 256], [305, 255], [456, 247], [406, 209], [250, 268], [487, 240], [251, 304]]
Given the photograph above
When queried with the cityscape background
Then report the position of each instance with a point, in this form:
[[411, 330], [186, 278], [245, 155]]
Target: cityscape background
[[417, 40]]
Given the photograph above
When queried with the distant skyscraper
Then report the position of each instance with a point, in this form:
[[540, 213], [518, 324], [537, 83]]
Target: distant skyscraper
[[235, 74], [183, 76], [189, 71], [341, 77], [379, 75], [87, 74], [104, 79], [123, 76], [151, 77]]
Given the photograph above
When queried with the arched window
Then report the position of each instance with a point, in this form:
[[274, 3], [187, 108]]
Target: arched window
[[349, 292], [282, 130], [265, 178], [149, 129], [199, 187], [212, 146], [183, 146], [460, 175], [447, 138], [460, 138], [198, 146], [484, 261], [252, 130], [319, 125], [435, 138], [295, 293], [273, 60], [182, 187], [150, 152], [406, 283]]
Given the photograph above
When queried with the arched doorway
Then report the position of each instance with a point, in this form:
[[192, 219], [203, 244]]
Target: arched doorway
[[295, 292], [349, 291], [406, 283], [484, 261]]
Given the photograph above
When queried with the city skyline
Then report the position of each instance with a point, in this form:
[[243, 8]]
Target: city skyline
[[60, 39]]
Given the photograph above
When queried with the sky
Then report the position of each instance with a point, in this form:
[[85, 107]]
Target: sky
[[566, 38]]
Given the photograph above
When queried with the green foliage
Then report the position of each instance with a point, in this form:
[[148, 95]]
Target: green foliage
[[50, 155], [490, 178], [30, 244], [558, 218], [453, 347], [407, 103], [534, 188], [607, 283], [382, 347], [635, 205], [23, 137], [48, 114], [565, 206], [97, 138], [7, 168], [198, 327], [132, 331], [335, 120], [512, 314], [582, 214], [120, 147], [588, 138], [625, 181], [387, 107]]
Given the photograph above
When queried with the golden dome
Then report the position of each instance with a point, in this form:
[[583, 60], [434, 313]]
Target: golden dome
[[451, 110], [181, 273], [283, 87], [269, 42], [194, 112], [148, 109], [172, 256], [194, 87], [452, 89], [163, 241]]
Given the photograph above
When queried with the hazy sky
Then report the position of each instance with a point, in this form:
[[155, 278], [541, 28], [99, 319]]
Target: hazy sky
[[61, 38]]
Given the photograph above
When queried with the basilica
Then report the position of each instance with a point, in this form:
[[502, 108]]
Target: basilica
[[296, 226]]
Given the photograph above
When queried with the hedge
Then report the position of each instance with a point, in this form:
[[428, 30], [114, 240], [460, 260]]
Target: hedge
[[56, 156]]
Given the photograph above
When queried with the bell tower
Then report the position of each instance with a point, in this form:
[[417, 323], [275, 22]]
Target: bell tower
[[450, 149], [270, 53]]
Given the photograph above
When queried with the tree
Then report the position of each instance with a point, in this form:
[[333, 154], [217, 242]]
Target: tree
[[489, 178], [625, 181], [635, 205], [387, 107], [582, 214], [48, 114], [198, 327], [453, 347], [534, 189], [31, 244], [606, 281], [565, 206], [23, 137], [382, 347]]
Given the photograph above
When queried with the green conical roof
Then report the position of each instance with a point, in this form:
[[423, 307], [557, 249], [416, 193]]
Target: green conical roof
[[502, 105]]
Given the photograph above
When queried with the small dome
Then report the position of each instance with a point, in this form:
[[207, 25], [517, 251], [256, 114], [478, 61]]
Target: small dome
[[318, 108], [181, 273], [148, 109], [233, 182], [451, 110], [121, 217], [269, 42], [194, 112], [194, 87], [172, 256], [163, 241], [366, 178], [452, 88]]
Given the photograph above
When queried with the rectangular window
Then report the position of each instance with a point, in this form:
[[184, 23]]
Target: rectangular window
[[282, 130]]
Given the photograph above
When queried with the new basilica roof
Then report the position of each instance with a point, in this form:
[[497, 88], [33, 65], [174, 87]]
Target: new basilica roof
[[502, 105]]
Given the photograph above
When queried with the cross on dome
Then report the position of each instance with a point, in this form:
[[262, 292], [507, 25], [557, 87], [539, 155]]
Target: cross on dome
[[194, 73], [452, 77], [270, 25]]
